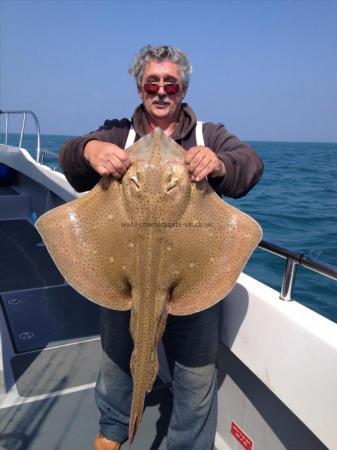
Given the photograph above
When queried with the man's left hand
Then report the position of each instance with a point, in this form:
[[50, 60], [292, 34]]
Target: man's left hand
[[202, 162]]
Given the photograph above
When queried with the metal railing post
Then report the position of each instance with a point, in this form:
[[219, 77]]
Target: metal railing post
[[288, 280], [22, 129], [38, 137], [6, 128]]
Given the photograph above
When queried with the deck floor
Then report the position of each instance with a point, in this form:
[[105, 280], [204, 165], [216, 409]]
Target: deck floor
[[70, 422]]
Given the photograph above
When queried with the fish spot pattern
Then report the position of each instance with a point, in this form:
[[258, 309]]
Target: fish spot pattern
[[153, 242]]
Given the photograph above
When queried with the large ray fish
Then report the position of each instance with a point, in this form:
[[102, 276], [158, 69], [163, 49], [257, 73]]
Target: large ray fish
[[155, 243]]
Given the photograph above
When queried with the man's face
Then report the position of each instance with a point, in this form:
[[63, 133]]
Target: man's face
[[161, 105]]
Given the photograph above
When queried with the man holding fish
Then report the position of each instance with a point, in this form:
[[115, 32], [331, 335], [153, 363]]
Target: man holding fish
[[191, 342]]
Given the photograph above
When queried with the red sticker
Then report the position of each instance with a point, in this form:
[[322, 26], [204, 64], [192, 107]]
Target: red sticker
[[241, 437]]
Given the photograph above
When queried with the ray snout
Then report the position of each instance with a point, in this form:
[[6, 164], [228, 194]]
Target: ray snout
[[156, 148]]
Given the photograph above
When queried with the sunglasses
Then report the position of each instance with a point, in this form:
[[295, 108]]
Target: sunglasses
[[169, 88]]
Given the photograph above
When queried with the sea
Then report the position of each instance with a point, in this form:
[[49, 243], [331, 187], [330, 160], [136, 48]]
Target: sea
[[295, 202]]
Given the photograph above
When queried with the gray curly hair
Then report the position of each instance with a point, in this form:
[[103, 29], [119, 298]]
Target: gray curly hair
[[161, 53]]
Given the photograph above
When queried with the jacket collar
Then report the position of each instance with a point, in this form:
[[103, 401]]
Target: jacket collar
[[186, 122]]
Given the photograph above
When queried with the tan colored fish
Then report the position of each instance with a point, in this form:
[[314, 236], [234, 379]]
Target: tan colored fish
[[155, 243]]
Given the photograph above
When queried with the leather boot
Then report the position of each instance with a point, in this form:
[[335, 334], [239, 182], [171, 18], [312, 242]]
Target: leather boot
[[102, 443]]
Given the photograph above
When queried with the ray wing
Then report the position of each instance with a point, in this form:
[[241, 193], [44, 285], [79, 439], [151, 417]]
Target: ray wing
[[88, 242], [210, 247]]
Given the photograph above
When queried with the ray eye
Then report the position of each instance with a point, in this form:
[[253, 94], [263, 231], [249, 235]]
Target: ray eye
[[172, 184], [134, 181]]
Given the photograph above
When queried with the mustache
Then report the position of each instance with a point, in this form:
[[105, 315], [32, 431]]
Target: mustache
[[161, 102]]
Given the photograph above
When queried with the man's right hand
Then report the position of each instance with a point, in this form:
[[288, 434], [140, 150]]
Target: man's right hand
[[106, 158]]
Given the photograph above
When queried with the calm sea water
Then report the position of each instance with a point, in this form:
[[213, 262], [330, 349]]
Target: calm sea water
[[296, 204]]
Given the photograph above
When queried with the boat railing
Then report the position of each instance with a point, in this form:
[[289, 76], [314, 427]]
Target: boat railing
[[293, 260], [23, 124], [49, 154]]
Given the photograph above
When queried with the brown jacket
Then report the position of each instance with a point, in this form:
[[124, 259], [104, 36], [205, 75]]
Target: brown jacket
[[243, 166]]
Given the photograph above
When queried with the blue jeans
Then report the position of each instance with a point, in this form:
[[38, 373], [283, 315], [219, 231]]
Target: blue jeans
[[191, 345]]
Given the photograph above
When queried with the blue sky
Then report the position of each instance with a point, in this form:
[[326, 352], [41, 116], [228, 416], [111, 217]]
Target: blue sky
[[266, 69]]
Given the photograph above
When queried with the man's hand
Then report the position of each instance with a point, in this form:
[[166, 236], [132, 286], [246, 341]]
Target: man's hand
[[202, 161], [106, 158]]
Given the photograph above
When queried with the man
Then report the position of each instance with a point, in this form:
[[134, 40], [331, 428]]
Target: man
[[191, 342]]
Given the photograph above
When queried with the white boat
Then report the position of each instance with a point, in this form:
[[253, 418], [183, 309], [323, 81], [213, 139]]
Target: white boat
[[277, 363]]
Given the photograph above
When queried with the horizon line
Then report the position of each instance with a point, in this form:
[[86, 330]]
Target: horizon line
[[241, 139]]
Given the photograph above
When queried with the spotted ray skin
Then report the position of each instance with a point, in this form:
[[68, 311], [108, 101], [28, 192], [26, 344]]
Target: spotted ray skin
[[155, 243]]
